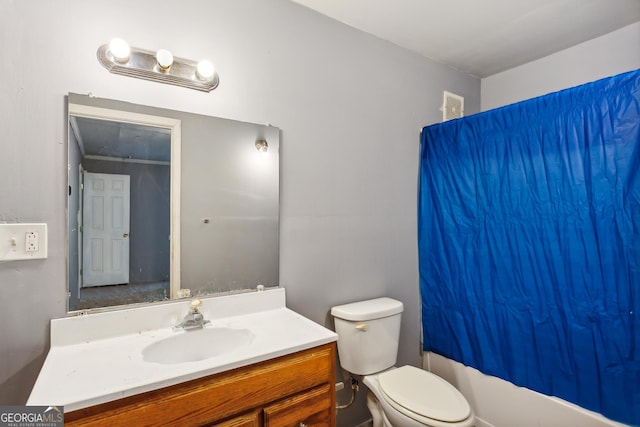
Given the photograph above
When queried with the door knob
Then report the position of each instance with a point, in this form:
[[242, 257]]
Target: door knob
[[125, 235]]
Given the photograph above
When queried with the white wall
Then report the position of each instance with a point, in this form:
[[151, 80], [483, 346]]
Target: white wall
[[605, 56], [350, 107]]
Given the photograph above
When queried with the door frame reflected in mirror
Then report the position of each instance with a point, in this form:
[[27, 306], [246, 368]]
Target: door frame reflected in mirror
[[174, 127]]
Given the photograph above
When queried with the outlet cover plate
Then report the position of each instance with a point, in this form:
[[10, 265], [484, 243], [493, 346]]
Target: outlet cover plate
[[23, 241]]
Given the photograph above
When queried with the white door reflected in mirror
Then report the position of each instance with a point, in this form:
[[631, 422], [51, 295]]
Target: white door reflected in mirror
[[105, 225]]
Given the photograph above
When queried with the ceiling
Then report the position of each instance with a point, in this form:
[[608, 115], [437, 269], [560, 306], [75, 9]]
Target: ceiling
[[482, 37], [110, 140]]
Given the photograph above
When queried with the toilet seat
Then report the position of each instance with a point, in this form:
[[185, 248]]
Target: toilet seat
[[423, 396]]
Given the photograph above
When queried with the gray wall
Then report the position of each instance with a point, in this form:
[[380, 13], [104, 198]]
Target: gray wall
[[350, 107], [608, 55], [73, 250]]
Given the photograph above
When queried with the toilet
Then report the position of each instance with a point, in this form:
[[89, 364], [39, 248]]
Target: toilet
[[368, 333]]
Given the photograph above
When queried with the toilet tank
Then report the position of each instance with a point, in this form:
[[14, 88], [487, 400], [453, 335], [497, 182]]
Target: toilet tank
[[368, 334]]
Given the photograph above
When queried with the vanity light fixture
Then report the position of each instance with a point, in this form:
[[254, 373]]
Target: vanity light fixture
[[161, 66], [262, 145]]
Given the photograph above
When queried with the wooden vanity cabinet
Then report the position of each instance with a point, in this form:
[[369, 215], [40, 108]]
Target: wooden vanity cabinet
[[295, 390]]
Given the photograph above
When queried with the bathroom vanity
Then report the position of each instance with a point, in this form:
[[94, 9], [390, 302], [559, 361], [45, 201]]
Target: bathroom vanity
[[106, 372], [291, 390], [255, 362]]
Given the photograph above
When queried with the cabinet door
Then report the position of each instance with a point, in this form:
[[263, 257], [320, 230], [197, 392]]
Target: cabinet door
[[247, 420], [308, 409]]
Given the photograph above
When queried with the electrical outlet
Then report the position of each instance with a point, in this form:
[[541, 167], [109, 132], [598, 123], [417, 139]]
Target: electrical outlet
[[23, 241], [31, 241]]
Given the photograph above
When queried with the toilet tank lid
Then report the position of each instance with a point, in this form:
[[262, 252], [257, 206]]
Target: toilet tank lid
[[368, 310]]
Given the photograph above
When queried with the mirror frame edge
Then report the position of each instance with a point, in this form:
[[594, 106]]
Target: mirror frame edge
[[175, 127]]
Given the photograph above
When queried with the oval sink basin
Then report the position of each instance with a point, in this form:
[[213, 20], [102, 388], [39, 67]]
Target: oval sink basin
[[192, 346]]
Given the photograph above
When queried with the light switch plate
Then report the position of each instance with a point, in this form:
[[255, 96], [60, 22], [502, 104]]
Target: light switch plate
[[23, 241]]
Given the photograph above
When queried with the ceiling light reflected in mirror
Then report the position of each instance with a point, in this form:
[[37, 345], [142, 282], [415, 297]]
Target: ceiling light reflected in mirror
[[262, 145]]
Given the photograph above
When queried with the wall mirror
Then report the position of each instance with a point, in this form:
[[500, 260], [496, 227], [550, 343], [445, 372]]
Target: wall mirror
[[166, 204]]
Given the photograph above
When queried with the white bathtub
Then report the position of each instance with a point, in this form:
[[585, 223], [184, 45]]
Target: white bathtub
[[498, 403]]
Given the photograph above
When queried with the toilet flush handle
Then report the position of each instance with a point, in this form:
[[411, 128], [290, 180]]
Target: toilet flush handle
[[362, 327]]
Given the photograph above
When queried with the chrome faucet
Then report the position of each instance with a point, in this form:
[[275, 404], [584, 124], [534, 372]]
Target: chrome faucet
[[194, 319]]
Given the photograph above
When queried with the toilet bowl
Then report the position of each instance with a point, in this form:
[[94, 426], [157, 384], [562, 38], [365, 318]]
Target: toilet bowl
[[411, 397], [368, 336]]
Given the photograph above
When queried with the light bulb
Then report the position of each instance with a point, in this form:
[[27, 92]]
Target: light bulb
[[164, 58], [205, 70], [120, 50], [262, 145]]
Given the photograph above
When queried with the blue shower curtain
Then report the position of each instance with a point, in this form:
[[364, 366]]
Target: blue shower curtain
[[529, 244]]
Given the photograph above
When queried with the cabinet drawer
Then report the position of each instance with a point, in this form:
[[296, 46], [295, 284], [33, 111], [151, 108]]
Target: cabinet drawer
[[309, 409], [247, 420]]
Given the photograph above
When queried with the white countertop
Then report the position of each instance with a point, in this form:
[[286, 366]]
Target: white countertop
[[97, 358]]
